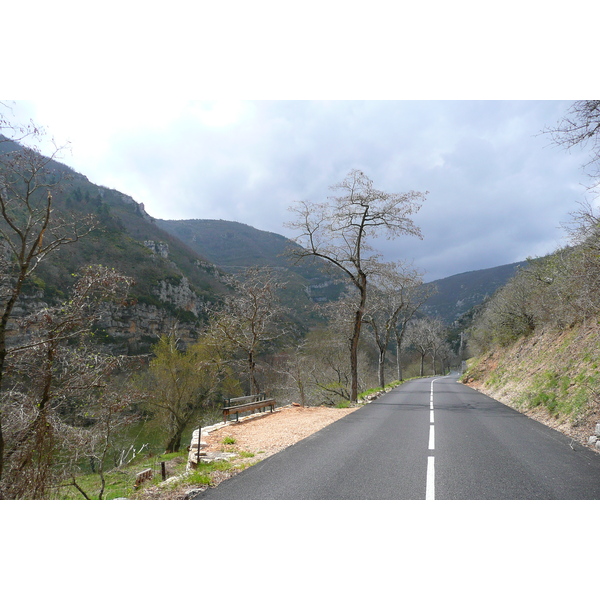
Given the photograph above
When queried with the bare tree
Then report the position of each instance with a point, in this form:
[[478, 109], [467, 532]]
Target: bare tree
[[54, 375], [413, 297], [29, 231], [250, 318], [427, 336], [338, 232], [580, 127], [388, 298]]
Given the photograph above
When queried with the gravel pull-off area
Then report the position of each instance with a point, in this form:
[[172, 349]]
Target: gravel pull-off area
[[261, 435], [271, 433]]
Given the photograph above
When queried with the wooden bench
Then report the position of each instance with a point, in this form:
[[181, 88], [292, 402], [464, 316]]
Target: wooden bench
[[245, 404]]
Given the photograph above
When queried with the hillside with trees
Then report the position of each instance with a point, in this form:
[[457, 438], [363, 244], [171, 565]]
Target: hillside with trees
[[535, 341], [458, 294]]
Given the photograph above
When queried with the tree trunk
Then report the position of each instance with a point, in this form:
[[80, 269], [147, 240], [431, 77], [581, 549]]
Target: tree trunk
[[382, 367], [361, 284], [174, 443], [254, 389], [398, 357], [8, 308]]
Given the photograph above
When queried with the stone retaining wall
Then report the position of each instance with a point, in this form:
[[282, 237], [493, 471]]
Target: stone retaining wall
[[594, 440]]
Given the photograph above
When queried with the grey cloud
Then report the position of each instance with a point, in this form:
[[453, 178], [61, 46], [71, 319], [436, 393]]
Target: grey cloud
[[497, 189]]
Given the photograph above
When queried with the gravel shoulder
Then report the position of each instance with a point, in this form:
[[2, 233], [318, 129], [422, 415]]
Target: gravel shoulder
[[261, 436], [270, 433]]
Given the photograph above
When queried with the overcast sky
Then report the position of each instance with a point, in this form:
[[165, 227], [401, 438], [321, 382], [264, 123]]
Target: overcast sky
[[498, 190], [116, 81]]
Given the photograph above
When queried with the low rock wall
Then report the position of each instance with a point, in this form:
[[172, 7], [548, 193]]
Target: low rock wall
[[594, 440]]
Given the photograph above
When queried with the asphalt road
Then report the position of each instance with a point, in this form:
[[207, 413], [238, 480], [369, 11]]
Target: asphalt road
[[429, 439]]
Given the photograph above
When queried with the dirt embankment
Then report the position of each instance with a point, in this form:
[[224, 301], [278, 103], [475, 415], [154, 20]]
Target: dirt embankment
[[551, 376]]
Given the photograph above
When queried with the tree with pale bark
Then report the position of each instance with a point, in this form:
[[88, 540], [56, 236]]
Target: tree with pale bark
[[389, 299], [339, 232]]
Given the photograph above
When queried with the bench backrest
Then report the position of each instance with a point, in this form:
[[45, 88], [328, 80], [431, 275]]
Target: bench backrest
[[245, 399]]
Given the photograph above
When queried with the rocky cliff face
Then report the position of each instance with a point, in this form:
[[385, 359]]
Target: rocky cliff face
[[135, 327]]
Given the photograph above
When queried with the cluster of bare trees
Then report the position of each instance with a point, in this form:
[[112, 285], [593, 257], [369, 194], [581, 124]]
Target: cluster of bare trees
[[339, 232]]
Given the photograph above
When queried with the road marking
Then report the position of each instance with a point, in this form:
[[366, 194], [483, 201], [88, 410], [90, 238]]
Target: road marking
[[430, 488], [430, 484]]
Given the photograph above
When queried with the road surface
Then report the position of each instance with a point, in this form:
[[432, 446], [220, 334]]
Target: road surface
[[429, 439]]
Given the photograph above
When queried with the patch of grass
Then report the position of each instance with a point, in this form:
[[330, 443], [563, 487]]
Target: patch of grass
[[228, 440], [119, 482], [343, 404], [244, 454], [387, 388], [201, 475], [560, 395]]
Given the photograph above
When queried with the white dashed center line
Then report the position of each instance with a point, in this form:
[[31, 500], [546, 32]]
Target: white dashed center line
[[430, 485], [430, 489]]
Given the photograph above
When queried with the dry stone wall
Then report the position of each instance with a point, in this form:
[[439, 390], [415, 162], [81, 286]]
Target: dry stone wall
[[594, 440]]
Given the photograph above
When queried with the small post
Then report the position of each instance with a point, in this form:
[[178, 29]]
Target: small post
[[163, 470], [198, 451]]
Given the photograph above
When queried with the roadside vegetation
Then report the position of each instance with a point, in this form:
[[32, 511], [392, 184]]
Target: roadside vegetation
[[536, 341]]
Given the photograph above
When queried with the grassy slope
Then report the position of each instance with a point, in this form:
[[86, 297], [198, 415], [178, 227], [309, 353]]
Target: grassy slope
[[552, 376]]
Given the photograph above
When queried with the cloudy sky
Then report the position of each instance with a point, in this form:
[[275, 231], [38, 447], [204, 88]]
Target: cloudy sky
[[498, 190], [440, 97]]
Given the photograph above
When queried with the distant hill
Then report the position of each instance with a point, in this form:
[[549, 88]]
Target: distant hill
[[233, 246], [458, 294]]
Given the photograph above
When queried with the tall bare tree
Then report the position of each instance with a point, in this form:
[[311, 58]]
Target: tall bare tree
[[338, 231], [427, 335], [414, 296], [29, 231]]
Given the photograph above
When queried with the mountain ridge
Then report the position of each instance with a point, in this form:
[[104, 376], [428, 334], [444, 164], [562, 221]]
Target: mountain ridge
[[180, 265], [231, 245]]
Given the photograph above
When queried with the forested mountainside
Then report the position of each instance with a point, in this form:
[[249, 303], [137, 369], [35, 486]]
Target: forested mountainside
[[458, 294], [171, 280], [179, 266]]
